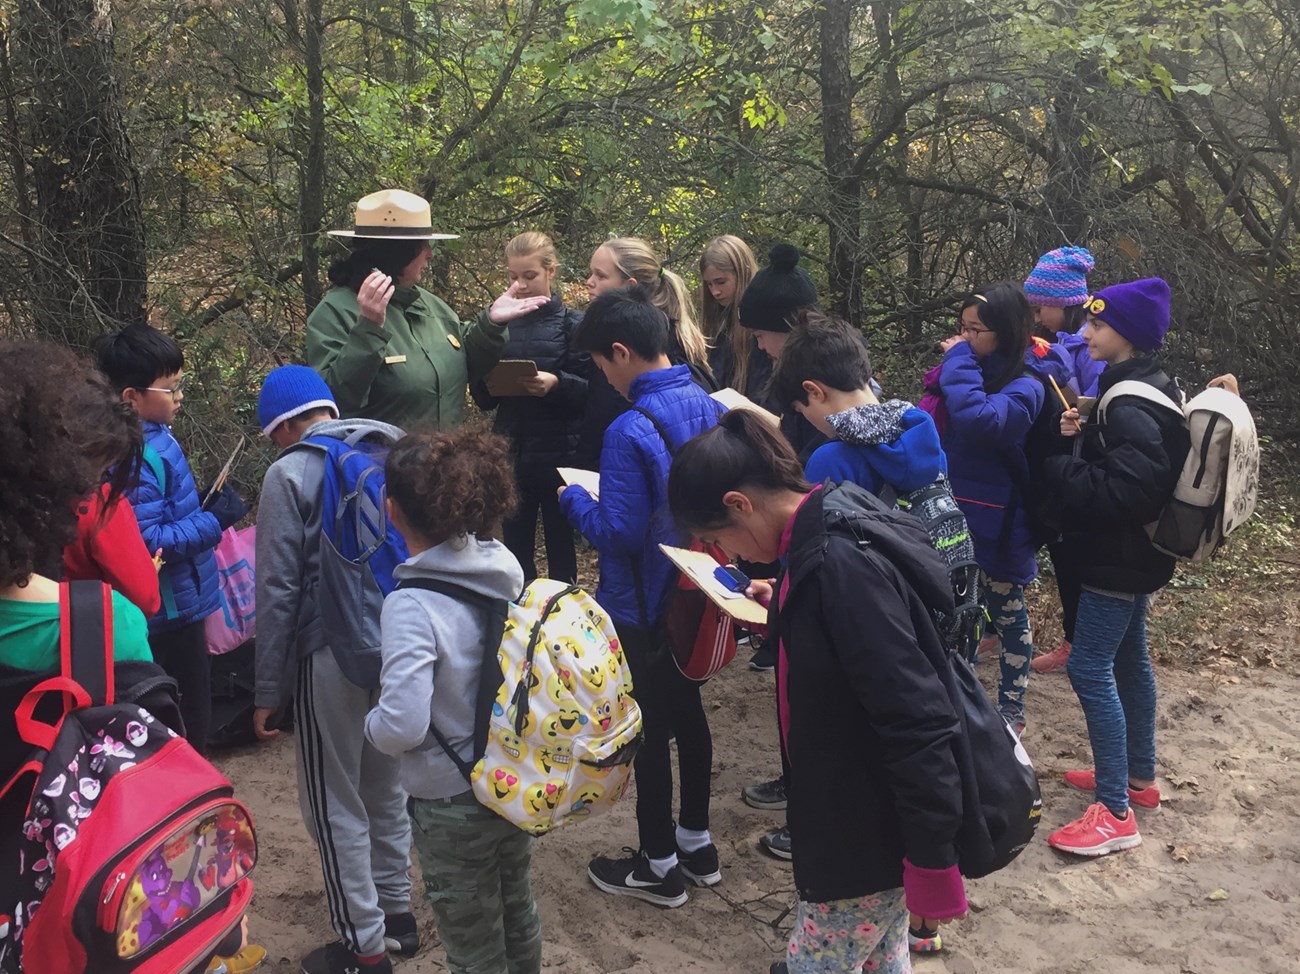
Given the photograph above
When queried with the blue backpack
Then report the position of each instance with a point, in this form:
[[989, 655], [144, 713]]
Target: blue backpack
[[359, 550]]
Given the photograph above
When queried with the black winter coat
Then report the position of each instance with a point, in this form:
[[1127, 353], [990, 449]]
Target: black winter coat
[[544, 432], [873, 775], [1122, 479], [722, 360]]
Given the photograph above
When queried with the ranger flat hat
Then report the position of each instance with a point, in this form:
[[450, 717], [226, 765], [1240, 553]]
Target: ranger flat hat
[[393, 214]]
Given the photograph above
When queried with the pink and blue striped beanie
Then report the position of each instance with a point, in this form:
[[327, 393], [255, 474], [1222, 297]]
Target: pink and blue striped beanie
[[1060, 278]]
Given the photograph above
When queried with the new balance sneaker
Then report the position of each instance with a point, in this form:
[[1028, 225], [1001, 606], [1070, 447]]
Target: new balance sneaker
[[767, 795], [335, 958], [777, 843], [1053, 661], [1144, 798], [633, 876], [924, 940], [401, 936], [701, 866], [1097, 833]]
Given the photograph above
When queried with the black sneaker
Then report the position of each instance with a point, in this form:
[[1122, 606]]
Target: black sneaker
[[700, 866], [763, 661], [767, 795], [633, 876], [777, 843], [780, 967], [337, 959], [401, 936]]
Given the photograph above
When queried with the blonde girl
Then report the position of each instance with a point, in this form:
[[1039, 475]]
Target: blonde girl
[[726, 268]]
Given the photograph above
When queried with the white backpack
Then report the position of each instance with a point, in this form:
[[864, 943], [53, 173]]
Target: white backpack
[[1217, 487]]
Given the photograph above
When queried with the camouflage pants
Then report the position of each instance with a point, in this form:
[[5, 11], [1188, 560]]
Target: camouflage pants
[[1009, 620], [478, 879]]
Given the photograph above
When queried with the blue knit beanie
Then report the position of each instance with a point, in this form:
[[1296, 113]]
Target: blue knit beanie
[[1138, 310], [288, 391], [1060, 278]]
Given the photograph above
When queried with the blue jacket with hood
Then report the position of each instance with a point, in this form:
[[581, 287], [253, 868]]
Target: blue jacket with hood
[[985, 444], [170, 516], [630, 520], [890, 443]]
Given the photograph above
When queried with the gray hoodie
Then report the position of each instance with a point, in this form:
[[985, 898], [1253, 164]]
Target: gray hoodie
[[288, 560], [433, 648]]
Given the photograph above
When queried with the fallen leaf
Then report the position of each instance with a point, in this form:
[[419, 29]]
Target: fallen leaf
[[1183, 781], [1181, 853], [1218, 896]]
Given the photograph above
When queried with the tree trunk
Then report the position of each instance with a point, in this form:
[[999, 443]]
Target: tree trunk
[[90, 273], [311, 203], [844, 199]]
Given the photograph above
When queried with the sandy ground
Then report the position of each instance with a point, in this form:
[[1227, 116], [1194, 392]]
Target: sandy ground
[[1230, 771]]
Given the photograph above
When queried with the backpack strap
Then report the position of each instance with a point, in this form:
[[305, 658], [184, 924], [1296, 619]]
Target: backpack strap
[[86, 637], [659, 428], [493, 607], [1139, 390], [154, 462]]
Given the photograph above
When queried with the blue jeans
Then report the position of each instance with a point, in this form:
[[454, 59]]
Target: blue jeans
[[1111, 672], [1009, 619]]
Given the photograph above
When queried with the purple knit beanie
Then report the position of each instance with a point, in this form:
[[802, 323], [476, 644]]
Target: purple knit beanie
[[1138, 310], [1060, 278]]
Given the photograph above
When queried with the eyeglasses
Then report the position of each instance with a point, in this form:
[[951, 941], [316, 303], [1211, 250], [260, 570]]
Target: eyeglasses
[[970, 331], [174, 391]]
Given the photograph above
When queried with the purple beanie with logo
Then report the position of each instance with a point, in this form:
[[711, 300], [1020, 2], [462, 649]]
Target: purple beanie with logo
[[1138, 310], [1060, 278]]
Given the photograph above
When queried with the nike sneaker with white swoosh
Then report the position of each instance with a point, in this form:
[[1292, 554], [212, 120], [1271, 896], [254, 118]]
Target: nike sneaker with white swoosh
[[1097, 833], [633, 876]]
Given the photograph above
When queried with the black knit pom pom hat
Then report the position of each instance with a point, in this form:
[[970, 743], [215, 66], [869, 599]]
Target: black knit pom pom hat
[[778, 292]]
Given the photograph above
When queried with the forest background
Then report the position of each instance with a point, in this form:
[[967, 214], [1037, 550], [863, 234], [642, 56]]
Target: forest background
[[178, 161]]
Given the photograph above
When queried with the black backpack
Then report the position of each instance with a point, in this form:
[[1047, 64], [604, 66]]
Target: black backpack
[[936, 507], [1001, 801]]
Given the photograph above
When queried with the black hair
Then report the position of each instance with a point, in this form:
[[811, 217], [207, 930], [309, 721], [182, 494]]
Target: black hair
[[1004, 310], [821, 349], [624, 315], [743, 452], [138, 356], [1075, 316], [389, 256]]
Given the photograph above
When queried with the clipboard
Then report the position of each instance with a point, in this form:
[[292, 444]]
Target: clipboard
[[506, 377], [698, 566], [732, 399], [225, 473], [589, 480]]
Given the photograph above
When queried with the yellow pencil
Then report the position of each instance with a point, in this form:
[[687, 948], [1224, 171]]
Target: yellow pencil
[[1064, 402]]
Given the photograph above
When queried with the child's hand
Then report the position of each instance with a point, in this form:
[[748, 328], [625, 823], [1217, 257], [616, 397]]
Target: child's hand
[[760, 591], [260, 717], [373, 297], [1070, 424], [948, 343], [540, 384]]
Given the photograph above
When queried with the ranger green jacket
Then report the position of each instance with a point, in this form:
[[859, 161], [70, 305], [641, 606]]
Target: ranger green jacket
[[413, 371]]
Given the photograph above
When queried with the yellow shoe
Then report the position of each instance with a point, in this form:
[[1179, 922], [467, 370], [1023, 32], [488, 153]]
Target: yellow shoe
[[248, 959]]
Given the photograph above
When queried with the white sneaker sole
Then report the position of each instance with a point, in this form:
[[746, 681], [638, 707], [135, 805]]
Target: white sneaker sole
[[1120, 843], [646, 895], [708, 879]]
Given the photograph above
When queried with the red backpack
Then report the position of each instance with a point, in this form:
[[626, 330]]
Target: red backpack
[[134, 854]]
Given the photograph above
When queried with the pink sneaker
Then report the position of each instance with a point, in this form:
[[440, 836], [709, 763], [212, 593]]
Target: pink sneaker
[[1097, 833], [989, 645], [1147, 798], [1052, 661]]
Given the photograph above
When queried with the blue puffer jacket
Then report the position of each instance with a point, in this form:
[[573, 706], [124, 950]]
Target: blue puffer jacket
[[171, 519], [1085, 372], [985, 444], [631, 519]]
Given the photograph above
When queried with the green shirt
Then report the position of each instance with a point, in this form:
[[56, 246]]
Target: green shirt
[[412, 372], [29, 634]]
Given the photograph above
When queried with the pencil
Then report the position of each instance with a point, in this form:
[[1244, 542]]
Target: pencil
[[1064, 402]]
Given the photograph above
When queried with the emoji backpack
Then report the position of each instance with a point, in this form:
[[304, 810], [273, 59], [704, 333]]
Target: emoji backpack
[[133, 854], [556, 727]]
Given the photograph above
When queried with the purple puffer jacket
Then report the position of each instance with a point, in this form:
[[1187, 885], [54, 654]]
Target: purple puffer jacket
[[985, 443]]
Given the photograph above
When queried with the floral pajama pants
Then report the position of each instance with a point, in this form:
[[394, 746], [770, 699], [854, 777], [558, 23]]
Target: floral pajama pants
[[866, 933]]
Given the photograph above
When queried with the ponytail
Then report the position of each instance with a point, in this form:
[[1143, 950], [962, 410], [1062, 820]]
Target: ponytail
[[673, 298], [743, 452]]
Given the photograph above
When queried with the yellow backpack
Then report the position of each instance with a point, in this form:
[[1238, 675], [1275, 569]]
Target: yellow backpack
[[556, 725]]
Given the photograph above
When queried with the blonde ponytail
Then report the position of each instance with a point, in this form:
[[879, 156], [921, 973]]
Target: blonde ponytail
[[636, 259]]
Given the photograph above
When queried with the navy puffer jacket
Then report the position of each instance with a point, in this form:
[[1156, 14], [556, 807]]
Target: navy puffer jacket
[[543, 432], [171, 519]]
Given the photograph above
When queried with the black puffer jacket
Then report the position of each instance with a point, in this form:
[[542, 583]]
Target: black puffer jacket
[[1122, 479], [871, 730], [722, 360], [544, 432]]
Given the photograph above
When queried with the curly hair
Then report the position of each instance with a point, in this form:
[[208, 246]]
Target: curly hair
[[452, 484], [50, 401]]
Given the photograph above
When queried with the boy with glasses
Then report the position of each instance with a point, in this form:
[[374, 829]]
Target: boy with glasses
[[145, 365]]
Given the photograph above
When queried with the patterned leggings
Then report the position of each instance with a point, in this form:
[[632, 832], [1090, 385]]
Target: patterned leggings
[[866, 933], [1005, 602]]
